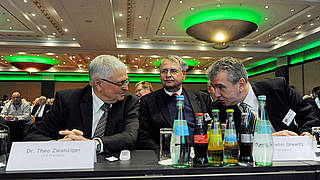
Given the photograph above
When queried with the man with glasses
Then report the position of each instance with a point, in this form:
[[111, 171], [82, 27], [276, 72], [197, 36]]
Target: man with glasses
[[157, 109], [103, 112], [143, 88], [17, 109]]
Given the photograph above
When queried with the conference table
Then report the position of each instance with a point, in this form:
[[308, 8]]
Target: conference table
[[143, 165]]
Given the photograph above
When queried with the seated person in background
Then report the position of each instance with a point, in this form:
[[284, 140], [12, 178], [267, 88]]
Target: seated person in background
[[230, 81], [103, 112], [157, 109], [315, 92], [143, 88], [17, 109], [40, 109]]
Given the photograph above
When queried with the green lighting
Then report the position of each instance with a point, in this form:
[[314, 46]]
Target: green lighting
[[261, 71], [304, 48], [223, 14], [189, 62], [33, 59], [259, 63]]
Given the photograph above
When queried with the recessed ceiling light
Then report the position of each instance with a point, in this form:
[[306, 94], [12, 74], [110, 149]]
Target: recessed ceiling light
[[297, 32], [140, 37], [266, 18], [121, 41], [192, 8], [299, 27], [61, 19], [44, 26], [172, 18], [33, 14], [139, 17], [280, 39], [121, 29], [163, 27], [311, 24], [74, 39], [10, 27], [54, 34], [66, 30], [291, 10], [309, 15], [120, 14], [259, 41], [163, 33], [25, 1], [180, 2], [119, 35], [266, 6], [218, 5], [8, 20]]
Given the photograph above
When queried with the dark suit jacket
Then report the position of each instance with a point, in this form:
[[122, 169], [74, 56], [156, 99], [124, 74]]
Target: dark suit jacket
[[72, 109], [280, 99], [155, 114], [45, 111]]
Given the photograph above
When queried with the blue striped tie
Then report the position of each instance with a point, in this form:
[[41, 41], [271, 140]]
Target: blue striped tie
[[101, 127]]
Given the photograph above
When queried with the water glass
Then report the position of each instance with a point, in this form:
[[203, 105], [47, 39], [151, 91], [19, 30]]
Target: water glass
[[165, 138], [3, 147]]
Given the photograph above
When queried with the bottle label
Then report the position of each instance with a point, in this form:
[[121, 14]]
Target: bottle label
[[181, 128], [200, 139], [264, 129], [230, 138], [246, 138]]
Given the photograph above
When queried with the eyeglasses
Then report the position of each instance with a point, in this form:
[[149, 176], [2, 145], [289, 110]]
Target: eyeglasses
[[121, 84], [172, 71]]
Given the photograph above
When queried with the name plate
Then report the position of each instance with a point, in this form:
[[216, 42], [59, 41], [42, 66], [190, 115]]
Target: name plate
[[288, 148], [46, 155]]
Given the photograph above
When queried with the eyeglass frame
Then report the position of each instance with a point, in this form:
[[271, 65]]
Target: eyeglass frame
[[120, 84], [172, 71]]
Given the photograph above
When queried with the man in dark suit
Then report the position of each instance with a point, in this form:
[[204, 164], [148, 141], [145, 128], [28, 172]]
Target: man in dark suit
[[40, 109], [229, 78], [157, 109], [103, 112]]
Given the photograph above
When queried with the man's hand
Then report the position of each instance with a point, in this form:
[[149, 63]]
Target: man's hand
[[306, 134], [74, 135], [284, 133]]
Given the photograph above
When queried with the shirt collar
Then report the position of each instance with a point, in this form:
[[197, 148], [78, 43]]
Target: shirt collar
[[251, 98], [96, 102], [179, 92]]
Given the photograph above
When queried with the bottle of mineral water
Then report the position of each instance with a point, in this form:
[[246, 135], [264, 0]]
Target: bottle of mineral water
[[230, 143], [180, 142], [262, 138]]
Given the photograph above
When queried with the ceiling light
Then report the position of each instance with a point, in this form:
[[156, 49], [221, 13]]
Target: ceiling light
[[61, 19], [266, 6], [33, 14], [309, 15], [172, 18], [119, 36], [31, 63], [299, 27], [218, 5], [54, 34], [25, 1], [163, 33], [74, 39], [291, 10], [163, 27], [140, 37], [66, 30], [180, 2], [259, 41], [222, 25], [121, 29], [120, 14], [266, 18], [139, 17], [10, 27], [8, 20], [311, 24], [192, 9], [44, 26]]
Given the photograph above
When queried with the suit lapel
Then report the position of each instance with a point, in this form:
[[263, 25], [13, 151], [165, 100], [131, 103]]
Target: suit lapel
[[194, 101], [114, 116], [162, 105], [86, 113]]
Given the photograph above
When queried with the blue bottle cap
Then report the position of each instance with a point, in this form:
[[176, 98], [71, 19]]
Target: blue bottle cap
[[262, 97], [181, 97]]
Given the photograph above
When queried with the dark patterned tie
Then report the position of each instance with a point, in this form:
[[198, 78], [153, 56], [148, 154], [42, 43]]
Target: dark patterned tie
[[251, 117], [101, 127]]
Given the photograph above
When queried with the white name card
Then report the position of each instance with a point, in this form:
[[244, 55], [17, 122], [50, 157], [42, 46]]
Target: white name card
[[47, 155], [293, 148]]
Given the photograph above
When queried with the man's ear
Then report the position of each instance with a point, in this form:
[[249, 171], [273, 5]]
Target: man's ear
[[242, 83]]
